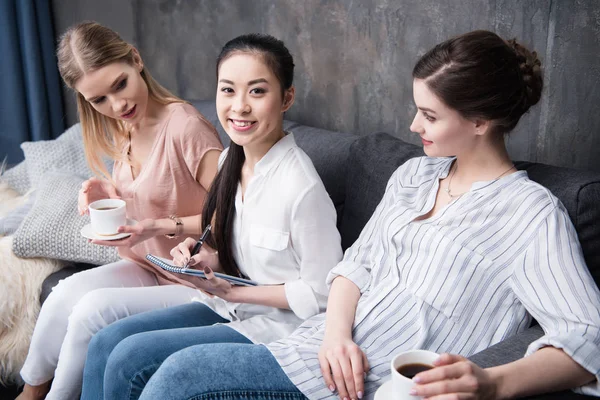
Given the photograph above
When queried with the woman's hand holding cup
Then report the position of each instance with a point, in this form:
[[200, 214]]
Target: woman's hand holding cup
[[454, 377], [446, 376], [92, 190]]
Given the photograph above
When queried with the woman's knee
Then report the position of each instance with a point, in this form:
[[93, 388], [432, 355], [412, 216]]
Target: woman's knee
[[215, 368], [66, 294], [94, 311], [132, 353], [239, 362], [105, 340]]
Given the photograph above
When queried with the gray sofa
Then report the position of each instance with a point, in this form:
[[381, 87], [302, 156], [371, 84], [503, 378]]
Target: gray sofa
[[355, 171]]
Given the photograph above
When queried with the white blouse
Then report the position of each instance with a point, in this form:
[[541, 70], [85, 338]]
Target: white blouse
[[470, 276], [284, 234]]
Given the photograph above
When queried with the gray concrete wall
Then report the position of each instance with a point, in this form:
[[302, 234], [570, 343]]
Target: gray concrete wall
[[354, 58]]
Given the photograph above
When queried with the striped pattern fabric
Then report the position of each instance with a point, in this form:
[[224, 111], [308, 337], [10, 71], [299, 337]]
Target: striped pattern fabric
[[468, 277]]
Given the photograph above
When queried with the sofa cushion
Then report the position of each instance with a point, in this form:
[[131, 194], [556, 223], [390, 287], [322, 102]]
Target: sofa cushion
[[52, 227], [17, 178], [579, 191], [328, 151], [374, 158], [11, 221], [66, 152]]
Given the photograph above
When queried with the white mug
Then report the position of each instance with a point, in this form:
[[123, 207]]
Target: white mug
[[401, 385], [107, 215]]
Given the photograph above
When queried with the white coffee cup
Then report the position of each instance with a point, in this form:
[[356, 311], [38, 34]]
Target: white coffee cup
[[107, 216], [401, 385]]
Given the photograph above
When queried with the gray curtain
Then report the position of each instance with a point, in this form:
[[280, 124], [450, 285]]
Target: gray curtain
[[30, 96]]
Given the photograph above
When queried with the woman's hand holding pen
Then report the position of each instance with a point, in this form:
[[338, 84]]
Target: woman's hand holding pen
[[206, 256], [208, 260]]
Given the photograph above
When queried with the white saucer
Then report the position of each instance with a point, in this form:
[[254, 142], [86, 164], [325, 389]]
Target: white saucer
[[384, 392], [87, 232]]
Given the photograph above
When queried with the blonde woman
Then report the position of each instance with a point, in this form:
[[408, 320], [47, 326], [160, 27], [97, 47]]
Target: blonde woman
[[166, 156]]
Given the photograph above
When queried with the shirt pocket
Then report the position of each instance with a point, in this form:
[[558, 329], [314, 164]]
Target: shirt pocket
[[268, 238], [450, 277]]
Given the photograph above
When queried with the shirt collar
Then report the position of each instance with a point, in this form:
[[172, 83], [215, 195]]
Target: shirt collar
[[484, 185], [275, 154]]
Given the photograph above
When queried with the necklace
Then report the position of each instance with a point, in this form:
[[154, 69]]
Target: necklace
[[452, 196]]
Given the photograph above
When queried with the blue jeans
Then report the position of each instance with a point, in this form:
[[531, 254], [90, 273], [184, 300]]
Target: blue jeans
[[123, 356], [224, 371]]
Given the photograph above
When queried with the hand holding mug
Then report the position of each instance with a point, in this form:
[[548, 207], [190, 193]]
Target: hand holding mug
[[405, 368], [455, 377], [92, 190]]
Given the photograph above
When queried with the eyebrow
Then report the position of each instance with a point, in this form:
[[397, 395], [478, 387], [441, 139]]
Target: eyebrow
[[250, 83], [427, 109], [111, 86]]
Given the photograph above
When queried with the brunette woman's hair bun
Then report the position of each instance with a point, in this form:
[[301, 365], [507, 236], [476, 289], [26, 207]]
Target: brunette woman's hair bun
[[483, 76], [531, 72]]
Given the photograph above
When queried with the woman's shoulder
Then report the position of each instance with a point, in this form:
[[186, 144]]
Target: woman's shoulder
[[524, 191], [182, 114], [301, 166], [186, 123]]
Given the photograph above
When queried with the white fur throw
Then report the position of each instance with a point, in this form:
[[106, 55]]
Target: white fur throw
[[20, 285]]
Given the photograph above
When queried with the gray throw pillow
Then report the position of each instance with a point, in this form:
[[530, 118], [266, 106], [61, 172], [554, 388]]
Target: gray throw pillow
[[52, 227], [11, 222], [72, 134], [65, 153], [17, 178]]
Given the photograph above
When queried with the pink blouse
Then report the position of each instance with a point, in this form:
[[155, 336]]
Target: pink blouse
[[166, 184]]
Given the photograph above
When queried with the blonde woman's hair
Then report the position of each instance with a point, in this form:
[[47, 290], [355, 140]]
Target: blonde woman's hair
[[86, 47]]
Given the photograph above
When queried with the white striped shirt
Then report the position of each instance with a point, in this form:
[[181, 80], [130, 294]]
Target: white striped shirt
[[470, 276]]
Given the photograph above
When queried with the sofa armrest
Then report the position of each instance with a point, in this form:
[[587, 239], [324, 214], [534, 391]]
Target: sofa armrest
[[508, 350], [514, 348]]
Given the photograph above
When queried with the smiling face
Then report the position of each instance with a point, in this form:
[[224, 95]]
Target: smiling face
[[116, 90], [444, 132], [249, 101]]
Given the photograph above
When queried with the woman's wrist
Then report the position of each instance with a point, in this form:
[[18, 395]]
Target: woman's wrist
[[500, 382], [163, 226], [337, 331], [236, 295]]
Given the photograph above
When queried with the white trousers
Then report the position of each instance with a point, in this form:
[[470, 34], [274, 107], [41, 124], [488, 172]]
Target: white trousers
[[81, 305]]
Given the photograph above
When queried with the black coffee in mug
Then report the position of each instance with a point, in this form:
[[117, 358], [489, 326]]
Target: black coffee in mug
[[410, 370], [105, 208]]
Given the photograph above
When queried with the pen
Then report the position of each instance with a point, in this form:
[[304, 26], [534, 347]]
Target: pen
[[199, 244]]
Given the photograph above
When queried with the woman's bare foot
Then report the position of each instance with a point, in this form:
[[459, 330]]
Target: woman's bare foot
[[34, 392]]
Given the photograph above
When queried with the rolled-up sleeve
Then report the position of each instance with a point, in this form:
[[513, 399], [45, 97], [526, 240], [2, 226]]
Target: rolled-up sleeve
[[555, 286], [317, 244]]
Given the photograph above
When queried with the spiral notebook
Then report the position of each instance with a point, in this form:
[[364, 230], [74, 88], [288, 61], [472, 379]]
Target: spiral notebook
[[167, 266]]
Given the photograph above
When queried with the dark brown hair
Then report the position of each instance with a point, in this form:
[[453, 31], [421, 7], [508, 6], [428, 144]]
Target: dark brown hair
[[481, 75], [219, 208]]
